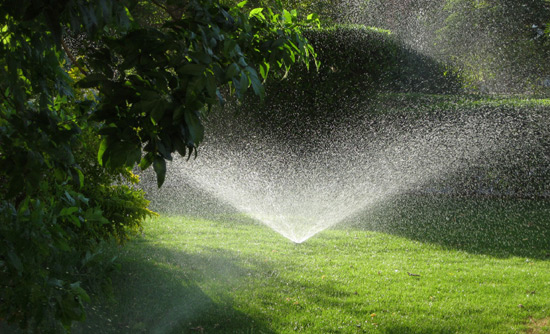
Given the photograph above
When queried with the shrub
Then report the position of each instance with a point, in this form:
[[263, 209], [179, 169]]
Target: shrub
[[54, 219]]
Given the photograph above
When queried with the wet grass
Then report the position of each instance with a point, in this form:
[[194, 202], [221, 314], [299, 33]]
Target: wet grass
[[419, 265], [421, 104]]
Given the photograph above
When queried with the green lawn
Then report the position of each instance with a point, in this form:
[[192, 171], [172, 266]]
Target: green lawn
[[483, 266]]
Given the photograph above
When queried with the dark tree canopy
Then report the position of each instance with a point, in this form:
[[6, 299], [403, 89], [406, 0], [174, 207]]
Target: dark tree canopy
[[494, 45], [89, 89]]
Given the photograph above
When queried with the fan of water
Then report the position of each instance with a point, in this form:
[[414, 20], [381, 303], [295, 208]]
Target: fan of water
[[300, 190], [302, 184]]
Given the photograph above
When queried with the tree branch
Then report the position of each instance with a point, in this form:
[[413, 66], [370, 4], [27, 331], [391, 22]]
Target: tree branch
[[6, 99], [72, 58], [158, 4], [175, 12]]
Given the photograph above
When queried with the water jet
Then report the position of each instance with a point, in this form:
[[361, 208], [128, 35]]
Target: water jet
[[332, 177], [374, 123]]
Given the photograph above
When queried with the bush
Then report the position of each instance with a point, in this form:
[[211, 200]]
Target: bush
[[373, 58], [357, 64], [54, 219]]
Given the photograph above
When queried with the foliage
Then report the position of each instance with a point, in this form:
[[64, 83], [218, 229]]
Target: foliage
[[143, 82], [155, 84], [493, 45], [325, 10], [53, 221], [379, 59], [499, 45]]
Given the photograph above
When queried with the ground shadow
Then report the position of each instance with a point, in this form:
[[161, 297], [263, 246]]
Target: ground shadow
[[160, 286], [158, 290], [499, 227]]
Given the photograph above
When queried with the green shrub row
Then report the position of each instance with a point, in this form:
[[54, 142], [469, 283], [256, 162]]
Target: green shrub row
[[357, 64], [377, 59]]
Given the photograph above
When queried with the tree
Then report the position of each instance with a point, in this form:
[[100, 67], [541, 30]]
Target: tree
[[89, 89], [497, 43], [493, 45]]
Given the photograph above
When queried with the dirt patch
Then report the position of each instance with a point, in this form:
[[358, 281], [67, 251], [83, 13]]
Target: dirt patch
[[539, 326]]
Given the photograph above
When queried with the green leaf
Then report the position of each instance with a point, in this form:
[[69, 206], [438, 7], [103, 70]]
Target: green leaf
[[232, 70], [221, 100], [24, 206], [228, 46], [202, 57], [96, 215], [153, 104], [101, 152], [159, 165], [77, 290], [74, 220], [80, 177], [256, 84], [157, 113], [15, 261], [15, 186], [146, 161], [242, 62], [178, 114], [62, 244], [192, 69], [243, 83], [118, 154], [164, 148], [287, 16], [68, 211], [278, 43], [91, 80], [211, 85], [69, 199], [180, 146], [257, 12], [264, 70], [134, 156], [196, 130], [55, 282], [109, 130]]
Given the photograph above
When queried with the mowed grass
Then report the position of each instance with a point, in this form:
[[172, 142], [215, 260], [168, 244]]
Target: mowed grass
[[416, 265]]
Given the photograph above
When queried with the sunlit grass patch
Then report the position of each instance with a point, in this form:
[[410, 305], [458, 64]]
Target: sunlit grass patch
[[186, 276]]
